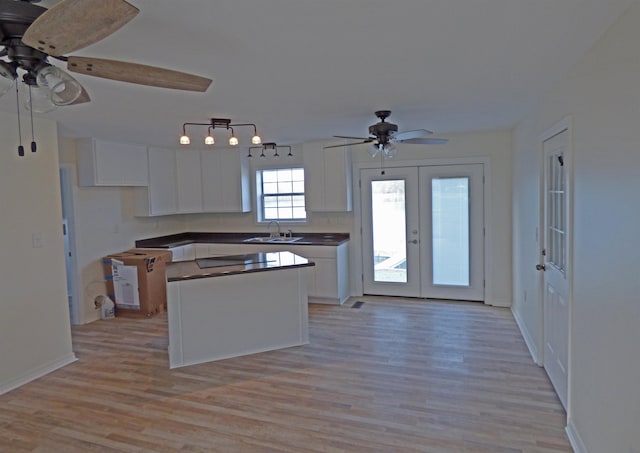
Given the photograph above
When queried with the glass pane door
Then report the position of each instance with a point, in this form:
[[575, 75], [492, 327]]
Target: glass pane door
[[391, 258], [451, 228], [450, 231], [388, 212]]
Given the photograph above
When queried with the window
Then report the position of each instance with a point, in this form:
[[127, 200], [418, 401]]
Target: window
[[281, 194]]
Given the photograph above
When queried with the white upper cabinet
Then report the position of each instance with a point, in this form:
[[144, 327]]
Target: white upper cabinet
[[103, 163], [226, 186], [327, 174], [189, 181], [160, 197]]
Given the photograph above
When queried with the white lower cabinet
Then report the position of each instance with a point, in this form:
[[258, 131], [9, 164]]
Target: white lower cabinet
[[329, 278]]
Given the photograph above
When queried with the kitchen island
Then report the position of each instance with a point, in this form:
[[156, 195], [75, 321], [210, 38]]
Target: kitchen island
[[228, 306]]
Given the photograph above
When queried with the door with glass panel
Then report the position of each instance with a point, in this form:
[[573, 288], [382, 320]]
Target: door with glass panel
[[422, 232], [452, 232], [390, 232]]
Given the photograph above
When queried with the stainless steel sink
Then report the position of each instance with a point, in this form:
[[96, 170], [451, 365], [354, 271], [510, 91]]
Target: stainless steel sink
[[272, 240]]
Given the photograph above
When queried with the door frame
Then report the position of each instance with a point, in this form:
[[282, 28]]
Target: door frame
[[67, 178], [562, 125], [356, 243]]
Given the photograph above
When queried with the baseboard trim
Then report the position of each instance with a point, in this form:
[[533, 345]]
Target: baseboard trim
[[531, 345], [37, 373], [501, 303], [574, 438]]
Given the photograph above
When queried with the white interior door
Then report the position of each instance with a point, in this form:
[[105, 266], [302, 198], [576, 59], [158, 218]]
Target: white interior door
[[390, 232], [452, 232], [422, 231], [554, 253]]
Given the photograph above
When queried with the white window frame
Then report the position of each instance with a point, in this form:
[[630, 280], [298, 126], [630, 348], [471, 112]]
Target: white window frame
[[260, 217]]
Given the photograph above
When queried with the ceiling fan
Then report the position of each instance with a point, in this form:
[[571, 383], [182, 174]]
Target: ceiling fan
[[384, 136], [30, 34]]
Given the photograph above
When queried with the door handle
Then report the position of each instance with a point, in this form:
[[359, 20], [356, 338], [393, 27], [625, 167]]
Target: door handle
[[541, 267], [415, 241]]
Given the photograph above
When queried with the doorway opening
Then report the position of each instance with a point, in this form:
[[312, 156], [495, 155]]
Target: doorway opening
[[66, 192]]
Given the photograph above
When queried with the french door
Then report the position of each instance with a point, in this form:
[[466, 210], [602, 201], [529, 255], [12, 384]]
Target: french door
[[422, 231]]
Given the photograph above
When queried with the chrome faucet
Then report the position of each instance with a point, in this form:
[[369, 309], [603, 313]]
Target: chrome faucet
[[272, 234]]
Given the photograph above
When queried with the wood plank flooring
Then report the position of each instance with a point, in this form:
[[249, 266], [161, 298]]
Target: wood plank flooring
[[395, 375]]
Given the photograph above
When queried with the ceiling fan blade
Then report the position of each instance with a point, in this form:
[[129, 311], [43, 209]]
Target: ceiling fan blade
[[402, 136], [138, 73], [73, 24], [347, 144], [352, 138], [425, 141]]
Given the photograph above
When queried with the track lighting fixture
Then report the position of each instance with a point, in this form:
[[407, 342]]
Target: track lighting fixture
[[221, 123], [270, 146]]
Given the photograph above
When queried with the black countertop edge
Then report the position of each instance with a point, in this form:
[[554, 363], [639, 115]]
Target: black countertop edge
[[177, 240], [189, 270]]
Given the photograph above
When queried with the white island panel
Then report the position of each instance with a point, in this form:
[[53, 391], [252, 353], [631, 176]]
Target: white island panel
[[232, 315]]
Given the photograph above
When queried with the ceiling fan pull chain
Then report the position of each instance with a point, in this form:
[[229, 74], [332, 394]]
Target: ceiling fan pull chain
[[33, 139], [20, 147]]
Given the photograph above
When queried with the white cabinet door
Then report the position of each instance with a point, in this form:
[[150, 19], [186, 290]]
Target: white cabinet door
[[103, 163], [160, 197], [225, 181], [189, 181], [327, 177]]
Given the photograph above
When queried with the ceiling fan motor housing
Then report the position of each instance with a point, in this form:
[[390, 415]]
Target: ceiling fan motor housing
[[383, 131]]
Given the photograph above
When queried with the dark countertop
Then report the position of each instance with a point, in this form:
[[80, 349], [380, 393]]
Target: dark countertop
[[234, 264], [176, 240]]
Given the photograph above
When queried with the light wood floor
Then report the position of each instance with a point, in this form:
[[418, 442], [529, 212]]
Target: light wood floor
[[393, 376]]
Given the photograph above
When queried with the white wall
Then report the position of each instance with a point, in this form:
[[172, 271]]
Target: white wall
[[495, 146], [602, 95], [104, 223], [35, 337]]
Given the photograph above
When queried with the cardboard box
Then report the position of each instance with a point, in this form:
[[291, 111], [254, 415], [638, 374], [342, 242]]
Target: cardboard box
[[137, 281]]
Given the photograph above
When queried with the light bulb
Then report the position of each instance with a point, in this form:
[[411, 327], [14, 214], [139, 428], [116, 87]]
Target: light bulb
[[63, 89], [373, 150], [390, 151], [40, 100], [233, 140], [7, 77], [185, 140], [209, 140], [256, 140]]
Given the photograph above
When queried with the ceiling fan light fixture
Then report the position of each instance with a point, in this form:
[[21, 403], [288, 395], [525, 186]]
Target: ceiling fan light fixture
[[373, 150], [390, 150], [7, 77], [63, 89], [37, 100]]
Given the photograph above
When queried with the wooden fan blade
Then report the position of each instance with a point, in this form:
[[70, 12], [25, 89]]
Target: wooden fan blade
[[138, 73], [347, 144], [402, 136], [425, 141], [73, 24]]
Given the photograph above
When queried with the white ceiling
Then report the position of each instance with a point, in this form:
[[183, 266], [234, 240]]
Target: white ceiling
[[309, 69]]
